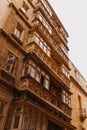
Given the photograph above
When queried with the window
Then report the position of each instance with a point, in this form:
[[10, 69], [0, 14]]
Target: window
[[47, 7], [44, 22], [18, 31], [65, 71], [43, 45], [24, 8], [33, 71], [37, 40], [16, 122], [47, 84], [39, 75], [42, 80], [64, 49], [18, 109], [25, 123], [66, 98], [80, 102], [10, 63], [1, 107], [26, 66]]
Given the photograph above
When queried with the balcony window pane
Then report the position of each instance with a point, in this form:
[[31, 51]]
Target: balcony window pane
[[46, 85], [40, 18], [45, 49], [41, 44], [32, 74], [37, 40], [24, 7], [38, 77], [18, 31], [48, 53]]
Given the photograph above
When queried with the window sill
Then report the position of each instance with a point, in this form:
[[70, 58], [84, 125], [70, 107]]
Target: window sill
[[17, 39], [23, 13], [7, 76]]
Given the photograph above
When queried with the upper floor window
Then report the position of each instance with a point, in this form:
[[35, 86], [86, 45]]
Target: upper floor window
[[18, 32], [42, 44], [64, 49], [18, 109], [66, 98], [47, 7], [38, 74], [10, 62], [16, 117], [16, 121], [26, 68], [24, 8], [65, 72], [44, 22]]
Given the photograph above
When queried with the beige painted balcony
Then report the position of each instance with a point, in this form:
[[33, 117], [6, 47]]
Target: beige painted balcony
[[50, 64], [58, 50], [56, 29], [41, 92]]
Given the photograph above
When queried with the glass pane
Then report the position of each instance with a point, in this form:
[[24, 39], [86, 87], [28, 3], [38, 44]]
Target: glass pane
[[48, 53], [32, 74], [41, 44], [47, 84], [37, 40], [38, 77], [23, 9], [45, 49]]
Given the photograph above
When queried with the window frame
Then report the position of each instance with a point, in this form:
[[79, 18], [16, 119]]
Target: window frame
[[18, 31], [15, 121], [38, 73], [10, 65]]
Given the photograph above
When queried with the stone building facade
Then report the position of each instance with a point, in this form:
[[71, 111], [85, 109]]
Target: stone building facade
[[34, 68], [78, 87]]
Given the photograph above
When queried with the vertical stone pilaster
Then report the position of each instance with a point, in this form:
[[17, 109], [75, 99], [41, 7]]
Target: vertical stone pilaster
[[33, 120], [44, 122], [39, 121]]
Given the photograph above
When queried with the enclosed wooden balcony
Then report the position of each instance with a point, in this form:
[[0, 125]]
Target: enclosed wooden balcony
[[58, 51], [40, 7], [49, 18], [48, 62], [41, 92]]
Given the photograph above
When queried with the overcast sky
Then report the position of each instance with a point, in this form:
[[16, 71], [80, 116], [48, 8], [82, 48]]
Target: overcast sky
[[72, 14]]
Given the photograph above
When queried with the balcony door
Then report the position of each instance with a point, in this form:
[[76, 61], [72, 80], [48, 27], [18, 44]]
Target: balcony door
[[53, 126]]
